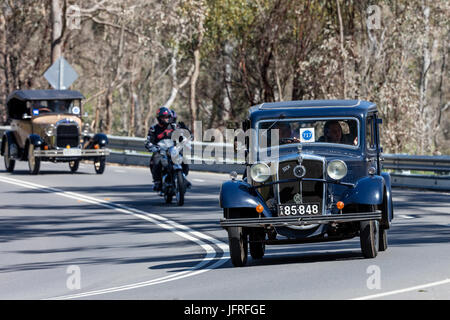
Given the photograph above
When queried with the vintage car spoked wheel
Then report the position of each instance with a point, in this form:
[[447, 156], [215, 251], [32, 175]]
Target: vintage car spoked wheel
[[238, 243], [369, 238], [34, 164], [180, 188], [73, 165], [9, 163], [99, 165], [257, 245]]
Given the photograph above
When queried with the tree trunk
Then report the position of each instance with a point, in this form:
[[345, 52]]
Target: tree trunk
[[193, 103], [343, 53], [227, 112], [57, 30], [109, 113]]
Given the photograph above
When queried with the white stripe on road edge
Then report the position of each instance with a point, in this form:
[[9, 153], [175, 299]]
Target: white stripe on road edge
[[390, 293], [179, 229], [405, 216]]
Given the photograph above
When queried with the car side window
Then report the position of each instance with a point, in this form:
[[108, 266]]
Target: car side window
[[370, 138]]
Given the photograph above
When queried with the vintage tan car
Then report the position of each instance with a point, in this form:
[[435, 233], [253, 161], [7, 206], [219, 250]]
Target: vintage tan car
[[47, 125]]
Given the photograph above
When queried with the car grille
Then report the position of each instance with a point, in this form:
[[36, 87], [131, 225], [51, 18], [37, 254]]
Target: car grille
[[67, 135], [311, 191]]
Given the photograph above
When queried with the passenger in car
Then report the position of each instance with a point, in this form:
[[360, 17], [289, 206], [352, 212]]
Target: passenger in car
[[332, 132]]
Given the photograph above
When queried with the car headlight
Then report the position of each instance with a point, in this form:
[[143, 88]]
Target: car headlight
[[50, 130], [337, 169], [260, 172]]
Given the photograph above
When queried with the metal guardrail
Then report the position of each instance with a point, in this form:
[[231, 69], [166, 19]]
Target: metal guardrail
[[131, 151]]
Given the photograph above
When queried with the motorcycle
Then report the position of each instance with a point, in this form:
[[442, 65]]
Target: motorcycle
[[174, 182]]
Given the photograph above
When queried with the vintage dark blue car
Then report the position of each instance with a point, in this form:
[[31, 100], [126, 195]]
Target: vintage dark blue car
[[313, 174]]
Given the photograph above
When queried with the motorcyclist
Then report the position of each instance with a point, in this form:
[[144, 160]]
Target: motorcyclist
[[182, 125], [161, 130]]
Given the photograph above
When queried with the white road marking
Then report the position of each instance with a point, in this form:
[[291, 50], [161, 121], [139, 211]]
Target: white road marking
[[405, 216], [198, 180], [179, 229], [390, 293]]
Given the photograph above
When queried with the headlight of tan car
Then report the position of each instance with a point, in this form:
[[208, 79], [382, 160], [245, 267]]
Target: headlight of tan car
[[50, 130]]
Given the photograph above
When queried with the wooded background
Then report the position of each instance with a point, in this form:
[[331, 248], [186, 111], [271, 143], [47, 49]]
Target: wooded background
[[210, 60]]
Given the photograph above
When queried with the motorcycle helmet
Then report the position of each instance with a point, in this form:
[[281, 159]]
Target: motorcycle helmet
[[174, 116], [164, 116]]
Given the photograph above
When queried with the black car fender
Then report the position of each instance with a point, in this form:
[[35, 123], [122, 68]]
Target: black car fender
[[35, 140], [368, 191], [8, 137], [387, 207], [239, 194], [101, 139]]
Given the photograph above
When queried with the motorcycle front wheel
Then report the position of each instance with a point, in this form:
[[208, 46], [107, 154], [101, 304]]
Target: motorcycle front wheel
[[180, 187]]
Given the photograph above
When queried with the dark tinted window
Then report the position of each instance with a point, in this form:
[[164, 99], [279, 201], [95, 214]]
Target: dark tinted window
[[370, 139]]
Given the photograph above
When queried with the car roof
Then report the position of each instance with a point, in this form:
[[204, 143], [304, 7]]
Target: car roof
[[314, 108], [33, 95]]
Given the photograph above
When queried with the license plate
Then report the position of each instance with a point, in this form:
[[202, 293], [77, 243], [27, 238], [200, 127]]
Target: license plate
[[72, 152], [298, 209]]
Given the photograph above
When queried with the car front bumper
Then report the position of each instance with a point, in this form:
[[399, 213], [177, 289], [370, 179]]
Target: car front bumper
[[73, 153], [300, 220]]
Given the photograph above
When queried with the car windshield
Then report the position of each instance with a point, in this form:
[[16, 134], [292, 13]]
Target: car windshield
[[310, 131], [55, 106]]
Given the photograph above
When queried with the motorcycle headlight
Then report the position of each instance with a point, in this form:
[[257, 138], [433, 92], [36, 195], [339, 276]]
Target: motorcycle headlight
[[260, 172], [337, 169], [50, 130]]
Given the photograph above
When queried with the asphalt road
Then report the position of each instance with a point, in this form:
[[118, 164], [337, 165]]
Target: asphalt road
[[88, 236]]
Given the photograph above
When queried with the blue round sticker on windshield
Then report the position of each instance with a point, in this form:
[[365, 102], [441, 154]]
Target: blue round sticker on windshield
[[307, 135]]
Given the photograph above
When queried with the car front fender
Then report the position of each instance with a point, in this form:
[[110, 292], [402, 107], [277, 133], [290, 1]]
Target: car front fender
[[8, 137], [368, 190], [387, 208], [101, 139], [239, 194], [35, 140]]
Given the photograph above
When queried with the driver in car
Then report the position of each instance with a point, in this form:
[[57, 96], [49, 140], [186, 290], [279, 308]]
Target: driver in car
[[285, 134], [161, 130]]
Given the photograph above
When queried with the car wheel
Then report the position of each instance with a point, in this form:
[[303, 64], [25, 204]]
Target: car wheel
[[383, 245], [99, 165], [238, 243], [73, 165], [180, 191], [257, 245], [369, 238], [9, 163], [34, 163]]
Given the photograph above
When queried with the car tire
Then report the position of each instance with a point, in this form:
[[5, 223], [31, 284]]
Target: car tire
[[74, 165], [9, 163], [34, 164], [99, 165], [257, 245], [383, 242], [238, 243], [369, 238]]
